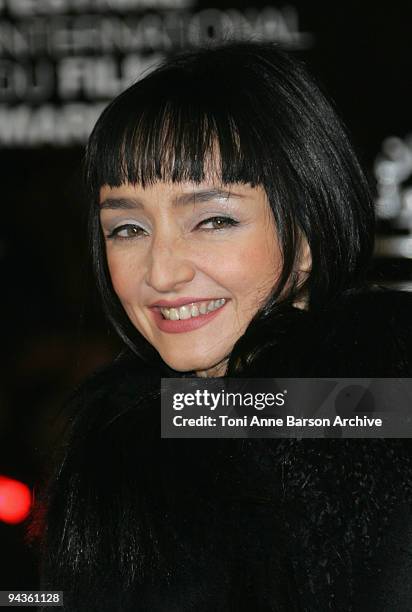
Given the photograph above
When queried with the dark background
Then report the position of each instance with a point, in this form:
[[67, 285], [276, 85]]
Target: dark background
[[53, 333]]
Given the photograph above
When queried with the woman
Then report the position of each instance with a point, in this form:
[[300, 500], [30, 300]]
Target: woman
[[231, 230]]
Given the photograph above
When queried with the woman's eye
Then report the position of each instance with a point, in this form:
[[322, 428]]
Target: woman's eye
[[126, 231], [217, 223]]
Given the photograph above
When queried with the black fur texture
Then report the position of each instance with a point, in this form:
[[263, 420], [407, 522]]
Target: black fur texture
[[139, 523]]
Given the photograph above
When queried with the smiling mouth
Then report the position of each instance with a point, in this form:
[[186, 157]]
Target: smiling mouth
[[193, 310]]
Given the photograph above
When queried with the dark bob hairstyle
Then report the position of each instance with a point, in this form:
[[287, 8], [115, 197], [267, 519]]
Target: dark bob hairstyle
[[248, 113]]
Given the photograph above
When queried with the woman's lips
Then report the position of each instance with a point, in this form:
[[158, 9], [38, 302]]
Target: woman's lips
[[183, 325]]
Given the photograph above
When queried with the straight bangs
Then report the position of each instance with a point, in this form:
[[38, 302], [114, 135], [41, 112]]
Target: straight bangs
[[146, 137]]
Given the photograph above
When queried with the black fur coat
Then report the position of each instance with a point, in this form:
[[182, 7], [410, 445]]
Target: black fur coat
[[139, 523]]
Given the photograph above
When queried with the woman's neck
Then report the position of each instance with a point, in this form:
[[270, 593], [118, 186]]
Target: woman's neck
[[216, 371]]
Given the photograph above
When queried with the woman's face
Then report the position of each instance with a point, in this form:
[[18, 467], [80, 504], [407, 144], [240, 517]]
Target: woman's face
[[191, 264]]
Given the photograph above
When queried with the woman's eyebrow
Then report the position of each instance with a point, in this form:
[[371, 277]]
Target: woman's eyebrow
[[122, 203], [202, 195]]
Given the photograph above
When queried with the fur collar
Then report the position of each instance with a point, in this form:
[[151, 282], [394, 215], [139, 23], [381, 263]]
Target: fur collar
[[361, 334], [231, 524]]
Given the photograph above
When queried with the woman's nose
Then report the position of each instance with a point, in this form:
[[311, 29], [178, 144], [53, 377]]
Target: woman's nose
[[168, 266]]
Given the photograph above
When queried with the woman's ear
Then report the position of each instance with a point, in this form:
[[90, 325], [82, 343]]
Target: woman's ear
[[305, 257], [302, 270]]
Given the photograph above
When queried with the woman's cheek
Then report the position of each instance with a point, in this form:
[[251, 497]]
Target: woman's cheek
[[123, 272]]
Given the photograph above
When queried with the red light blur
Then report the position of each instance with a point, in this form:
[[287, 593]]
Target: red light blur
[[15, 500]]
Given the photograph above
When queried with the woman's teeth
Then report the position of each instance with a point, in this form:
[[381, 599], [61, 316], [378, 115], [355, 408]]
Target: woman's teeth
[[189, 311]]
